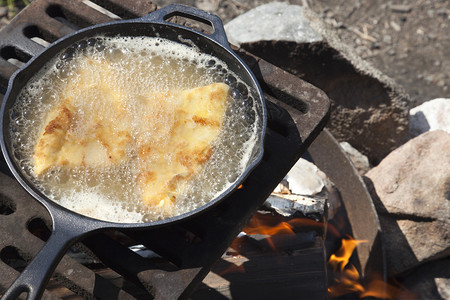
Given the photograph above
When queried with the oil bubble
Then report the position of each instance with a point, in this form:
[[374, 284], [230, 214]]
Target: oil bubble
[[236, 94], [230, 79], [82, 45], [210, 63], [68, 53], [99, 46], [242, 89], [250, 116], [91, 42], [250, 101]]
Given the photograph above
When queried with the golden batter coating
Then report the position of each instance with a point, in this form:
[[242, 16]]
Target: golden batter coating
[[88, 127], [168, 167]]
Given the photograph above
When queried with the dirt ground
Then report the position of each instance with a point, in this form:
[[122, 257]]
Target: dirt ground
[[407, 40]]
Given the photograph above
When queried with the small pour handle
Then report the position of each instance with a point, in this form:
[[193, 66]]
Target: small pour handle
[[161, 15]]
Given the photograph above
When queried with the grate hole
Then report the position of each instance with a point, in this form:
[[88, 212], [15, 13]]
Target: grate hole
[[39, 229], [191, 22], [298, 104], [10, 255], [7, 206], [39, 35], [66, 17], [14, 55]]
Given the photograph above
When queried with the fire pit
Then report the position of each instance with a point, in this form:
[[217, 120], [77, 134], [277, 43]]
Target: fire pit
[[185, 251], [283, 256]]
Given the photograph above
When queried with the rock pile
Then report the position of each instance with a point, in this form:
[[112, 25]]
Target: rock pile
[[368, 109], [410, 183]]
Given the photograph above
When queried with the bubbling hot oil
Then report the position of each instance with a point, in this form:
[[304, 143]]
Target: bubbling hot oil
[[143, 64]]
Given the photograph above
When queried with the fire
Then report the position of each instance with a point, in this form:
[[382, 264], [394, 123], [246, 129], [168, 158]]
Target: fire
[[258, 226], [347, 278], [271, 225], [340, 259]]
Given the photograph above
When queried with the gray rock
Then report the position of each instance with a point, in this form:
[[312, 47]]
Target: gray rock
[[3, 11], [369, 110], [430, 115], [207, 5], [411, 192], [359, 160], [273, 21], [3, 22], [443, 286]]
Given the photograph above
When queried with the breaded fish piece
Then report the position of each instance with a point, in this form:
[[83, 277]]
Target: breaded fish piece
[[89, 127], [167, 168], [52, 138]]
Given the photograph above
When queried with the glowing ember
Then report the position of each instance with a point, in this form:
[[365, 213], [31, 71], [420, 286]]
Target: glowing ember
[[232, 269]]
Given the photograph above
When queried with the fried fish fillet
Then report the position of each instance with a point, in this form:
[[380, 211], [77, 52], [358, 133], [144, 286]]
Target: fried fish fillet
[[170, 134], [169, 166], [89, 125]]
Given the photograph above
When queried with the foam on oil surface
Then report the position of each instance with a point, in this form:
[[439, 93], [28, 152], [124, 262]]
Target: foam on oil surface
[[141, 65]]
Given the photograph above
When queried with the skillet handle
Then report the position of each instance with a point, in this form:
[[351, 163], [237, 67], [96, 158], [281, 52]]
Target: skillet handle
[[34, 278], [162, 14]]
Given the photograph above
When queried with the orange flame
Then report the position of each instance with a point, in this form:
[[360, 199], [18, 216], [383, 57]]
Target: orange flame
[[260, 228], [340, 259], [274, 225], [281, 228], [271, 225], [347, 276]]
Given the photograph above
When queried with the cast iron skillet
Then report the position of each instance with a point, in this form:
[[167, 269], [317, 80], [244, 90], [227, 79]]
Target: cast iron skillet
[[68, 226]]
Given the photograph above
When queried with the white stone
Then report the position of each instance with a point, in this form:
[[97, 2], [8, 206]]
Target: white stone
[[431, 115], [207, 5], [305, 179], [443, 286], [272, 21]]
